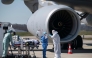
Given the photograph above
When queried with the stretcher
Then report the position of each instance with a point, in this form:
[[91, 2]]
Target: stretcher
[[28, 45]]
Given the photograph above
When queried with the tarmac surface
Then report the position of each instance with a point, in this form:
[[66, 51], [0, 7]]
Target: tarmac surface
[[86, 52]]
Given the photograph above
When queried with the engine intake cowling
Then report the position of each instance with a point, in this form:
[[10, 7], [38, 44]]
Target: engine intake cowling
[[56, 17]]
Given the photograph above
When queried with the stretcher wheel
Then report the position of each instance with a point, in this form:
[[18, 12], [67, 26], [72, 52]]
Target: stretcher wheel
[[34, 56]]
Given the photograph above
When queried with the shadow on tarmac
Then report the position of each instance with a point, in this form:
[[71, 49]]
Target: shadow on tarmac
[[76, 51], [89, 44], [65, 51]]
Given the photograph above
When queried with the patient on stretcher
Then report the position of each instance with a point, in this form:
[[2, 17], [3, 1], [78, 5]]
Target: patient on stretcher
[[31, 42]]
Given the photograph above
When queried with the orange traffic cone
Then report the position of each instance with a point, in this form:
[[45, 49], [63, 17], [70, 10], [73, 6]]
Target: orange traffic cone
[[69, 49]]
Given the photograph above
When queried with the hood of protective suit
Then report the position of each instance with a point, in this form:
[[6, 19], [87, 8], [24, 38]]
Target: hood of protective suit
[[9, 31], [54, 32], [45, 34]]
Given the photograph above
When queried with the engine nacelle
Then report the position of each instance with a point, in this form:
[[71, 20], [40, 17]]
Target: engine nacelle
[[7, 1], [56, 17]]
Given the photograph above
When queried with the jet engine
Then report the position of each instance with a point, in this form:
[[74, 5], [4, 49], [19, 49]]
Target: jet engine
[[7, 1], [61, 18]]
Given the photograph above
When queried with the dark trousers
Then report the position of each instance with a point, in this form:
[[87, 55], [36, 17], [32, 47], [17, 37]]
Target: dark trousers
[[44, 50]]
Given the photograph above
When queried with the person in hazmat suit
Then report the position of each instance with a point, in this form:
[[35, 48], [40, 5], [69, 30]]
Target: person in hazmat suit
[[56, 42], [44, 41], [6, 40], [38, 34]]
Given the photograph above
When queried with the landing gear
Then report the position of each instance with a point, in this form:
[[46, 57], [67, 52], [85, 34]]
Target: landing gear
[[77, 43], [64, 46]]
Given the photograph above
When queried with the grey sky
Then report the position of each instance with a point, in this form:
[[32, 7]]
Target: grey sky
[[17, 12]]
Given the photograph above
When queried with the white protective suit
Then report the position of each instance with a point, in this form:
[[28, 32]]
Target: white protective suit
[[56, 42], [38, 34]]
